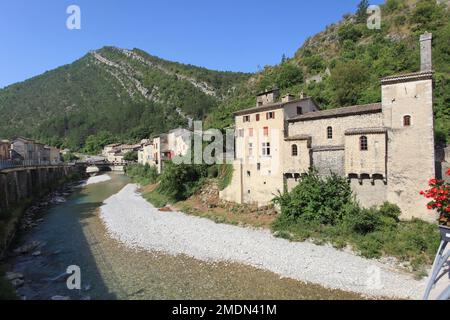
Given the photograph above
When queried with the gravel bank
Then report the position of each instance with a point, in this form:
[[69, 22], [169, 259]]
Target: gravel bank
[[132, 220], [98, 179]]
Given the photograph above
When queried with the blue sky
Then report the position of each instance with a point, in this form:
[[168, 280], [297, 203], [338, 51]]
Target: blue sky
[[236, 35]]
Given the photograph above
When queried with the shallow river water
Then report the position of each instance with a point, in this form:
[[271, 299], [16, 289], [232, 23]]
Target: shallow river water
[[72, 233]]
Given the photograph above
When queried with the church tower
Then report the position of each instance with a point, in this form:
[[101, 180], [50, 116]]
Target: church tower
[[407, 104]]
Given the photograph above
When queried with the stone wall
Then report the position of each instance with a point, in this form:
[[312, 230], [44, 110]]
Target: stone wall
[[19, 184], [327, 160]]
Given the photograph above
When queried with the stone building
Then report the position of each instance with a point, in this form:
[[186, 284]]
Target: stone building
[[28, 150], [386, 150], [167, 146], [145, 154]]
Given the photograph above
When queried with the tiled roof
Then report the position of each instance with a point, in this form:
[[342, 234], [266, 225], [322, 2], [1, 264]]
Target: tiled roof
[[298, 137], [422, 75], [339, 112], [354, 131], [270, 106], [328, 148]]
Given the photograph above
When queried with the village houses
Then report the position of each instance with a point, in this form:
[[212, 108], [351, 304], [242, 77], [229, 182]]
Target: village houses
[[385, 150], [28, 151]]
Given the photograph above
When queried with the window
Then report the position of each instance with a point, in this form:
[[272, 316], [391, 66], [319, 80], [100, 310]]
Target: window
[[250, 149], [270, 115], [266, 149], [241, 133], [258, 166], [363, 143], [266, 131], [330, 133], [257, 117], [406, 121], [246, 119], [250, 132], [248, 174], [294, 150], [299, 110]]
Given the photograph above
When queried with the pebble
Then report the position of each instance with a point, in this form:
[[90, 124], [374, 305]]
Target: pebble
[[129, 218]]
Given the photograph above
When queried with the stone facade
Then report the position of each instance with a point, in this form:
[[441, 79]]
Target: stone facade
[[385, 150], [29, 150]]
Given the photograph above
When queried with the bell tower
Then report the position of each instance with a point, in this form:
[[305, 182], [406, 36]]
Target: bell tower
[[407, 102]]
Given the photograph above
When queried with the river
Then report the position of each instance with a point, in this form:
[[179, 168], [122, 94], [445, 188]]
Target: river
[[72, 233]]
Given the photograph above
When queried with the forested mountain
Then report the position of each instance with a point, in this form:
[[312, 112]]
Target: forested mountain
[[116, 94], [351, 58], [111, 94]]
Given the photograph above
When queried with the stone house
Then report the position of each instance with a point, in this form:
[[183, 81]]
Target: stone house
[[385, 150], [54, 154], [108, 148], [5, 150], [167, 146], [29, 150], [145, 154]]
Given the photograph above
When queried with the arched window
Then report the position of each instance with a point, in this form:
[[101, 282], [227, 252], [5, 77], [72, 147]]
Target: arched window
[[363, 143], [294, 150], [406, 121], [330, 133]]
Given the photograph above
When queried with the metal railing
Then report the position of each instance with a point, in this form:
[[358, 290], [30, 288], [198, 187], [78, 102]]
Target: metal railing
[[7, 164]]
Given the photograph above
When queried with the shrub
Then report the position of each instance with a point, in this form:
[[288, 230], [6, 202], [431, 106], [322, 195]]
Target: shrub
[[180, 181], [142, 174], [131, 156], [315, 198], [361, 221], [225, 175]]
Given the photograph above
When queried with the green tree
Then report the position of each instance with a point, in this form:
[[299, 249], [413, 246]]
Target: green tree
[[361, 13], [348, 80], [131, 156]]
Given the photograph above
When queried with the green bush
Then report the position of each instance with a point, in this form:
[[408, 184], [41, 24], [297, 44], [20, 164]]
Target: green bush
[[361, 221], [324, 210], [180, 181], [315, 198], [131, 156], [142, 174]]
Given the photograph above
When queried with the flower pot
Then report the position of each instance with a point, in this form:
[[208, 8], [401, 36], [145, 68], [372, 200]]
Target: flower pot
[[445, 233]]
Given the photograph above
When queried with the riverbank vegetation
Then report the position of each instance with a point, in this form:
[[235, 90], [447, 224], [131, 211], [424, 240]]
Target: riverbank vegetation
[[325, 210]]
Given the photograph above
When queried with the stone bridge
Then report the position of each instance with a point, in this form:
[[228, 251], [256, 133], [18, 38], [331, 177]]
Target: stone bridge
[[100, 166]]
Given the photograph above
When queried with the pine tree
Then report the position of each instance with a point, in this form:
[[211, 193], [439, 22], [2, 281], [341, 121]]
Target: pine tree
[[361, 13]]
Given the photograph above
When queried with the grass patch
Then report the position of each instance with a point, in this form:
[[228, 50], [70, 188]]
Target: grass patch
[[142, 174], [225, 176], [156, 198]]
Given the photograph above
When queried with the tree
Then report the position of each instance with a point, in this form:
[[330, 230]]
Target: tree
[[349, 79], [131, 156], [361, 13]]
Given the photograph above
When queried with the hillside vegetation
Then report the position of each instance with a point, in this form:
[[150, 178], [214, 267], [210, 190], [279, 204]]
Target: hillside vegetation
[[111, 94], [114, 94], [356, 58]]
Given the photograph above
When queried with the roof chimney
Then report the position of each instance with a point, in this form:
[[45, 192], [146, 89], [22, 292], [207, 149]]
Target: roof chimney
[[287, 98], [425, 52], [302, 95]]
